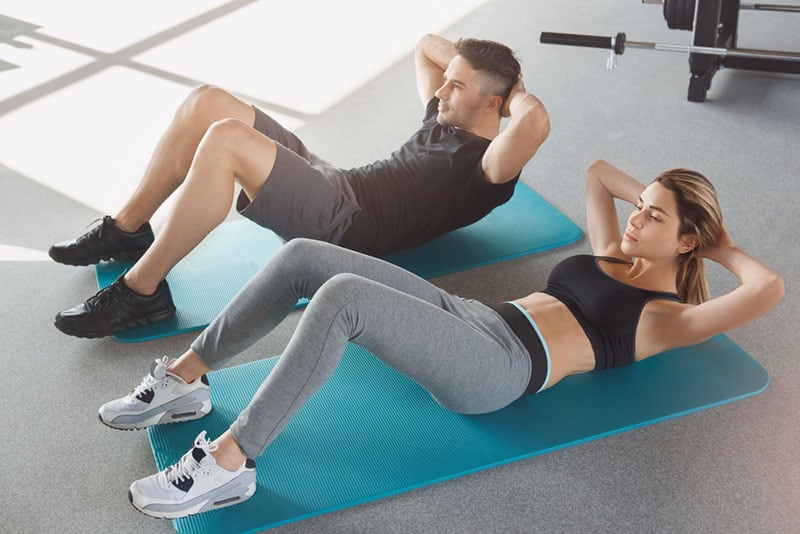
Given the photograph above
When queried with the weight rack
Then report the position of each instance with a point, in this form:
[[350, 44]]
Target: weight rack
[[715, 30]]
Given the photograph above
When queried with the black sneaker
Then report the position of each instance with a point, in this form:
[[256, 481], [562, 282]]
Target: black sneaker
[[116, 308], [103, 242]]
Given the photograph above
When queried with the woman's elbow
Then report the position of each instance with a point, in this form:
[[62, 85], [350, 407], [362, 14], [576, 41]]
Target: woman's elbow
[[776, 288], [770, 290], [593, 173], [597, 167]]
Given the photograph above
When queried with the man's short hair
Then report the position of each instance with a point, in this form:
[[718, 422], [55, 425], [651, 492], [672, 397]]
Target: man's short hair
[[495, 60]]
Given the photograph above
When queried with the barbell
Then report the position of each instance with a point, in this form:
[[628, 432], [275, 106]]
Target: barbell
[[618, 43], [715, 27], [679, 14]]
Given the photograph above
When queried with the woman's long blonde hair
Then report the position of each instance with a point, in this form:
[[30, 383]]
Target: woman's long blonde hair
[[700, 216]]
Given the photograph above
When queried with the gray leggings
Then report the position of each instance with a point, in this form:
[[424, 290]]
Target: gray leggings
[[459, 350]]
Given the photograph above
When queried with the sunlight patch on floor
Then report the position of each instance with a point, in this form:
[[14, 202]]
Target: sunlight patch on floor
[[13, 253], [90, 136]]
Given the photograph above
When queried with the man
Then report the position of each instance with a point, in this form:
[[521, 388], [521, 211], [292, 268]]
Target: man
[[453, 171]]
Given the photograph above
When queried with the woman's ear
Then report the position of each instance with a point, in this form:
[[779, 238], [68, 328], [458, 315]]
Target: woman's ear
[[688, 243]]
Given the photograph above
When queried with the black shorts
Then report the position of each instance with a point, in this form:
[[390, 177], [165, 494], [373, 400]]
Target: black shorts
[[303, 196]]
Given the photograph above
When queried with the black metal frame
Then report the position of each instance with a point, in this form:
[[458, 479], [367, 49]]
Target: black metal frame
[[716, 25]]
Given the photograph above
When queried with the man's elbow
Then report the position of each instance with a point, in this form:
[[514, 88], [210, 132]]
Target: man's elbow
[[544, 128], [425, 42], [538, 128], [425, 38]]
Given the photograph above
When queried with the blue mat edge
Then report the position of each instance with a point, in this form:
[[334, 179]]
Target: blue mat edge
[[556, 244]]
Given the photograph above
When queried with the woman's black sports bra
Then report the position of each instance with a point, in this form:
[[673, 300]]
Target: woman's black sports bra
[[607, 309]]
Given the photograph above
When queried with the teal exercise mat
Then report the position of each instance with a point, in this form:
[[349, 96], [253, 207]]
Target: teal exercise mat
[[524, 225], [208, 278], [370, 432]]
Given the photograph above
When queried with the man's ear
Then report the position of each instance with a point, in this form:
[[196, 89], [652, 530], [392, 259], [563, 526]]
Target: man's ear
[[688, 243], [494, 103]]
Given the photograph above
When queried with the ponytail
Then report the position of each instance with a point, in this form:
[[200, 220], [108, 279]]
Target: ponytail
[[691, 279], [701, 217]]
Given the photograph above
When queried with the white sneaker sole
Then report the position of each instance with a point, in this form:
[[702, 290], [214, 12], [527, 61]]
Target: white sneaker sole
[[199, 504], [189, 412]]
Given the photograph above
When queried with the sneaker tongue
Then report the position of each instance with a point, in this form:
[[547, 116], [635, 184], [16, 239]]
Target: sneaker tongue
[[158, 370], [200, 449], [198, 454]]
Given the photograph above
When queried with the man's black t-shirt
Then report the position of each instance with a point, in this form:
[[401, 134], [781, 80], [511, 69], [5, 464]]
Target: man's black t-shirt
[[432, 185]]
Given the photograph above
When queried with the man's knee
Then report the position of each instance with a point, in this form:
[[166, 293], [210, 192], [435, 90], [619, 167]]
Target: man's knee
[[205, 101], [228, 129], [232, 137]]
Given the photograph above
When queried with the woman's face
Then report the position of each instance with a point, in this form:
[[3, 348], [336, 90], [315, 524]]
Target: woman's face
[[652, 229]]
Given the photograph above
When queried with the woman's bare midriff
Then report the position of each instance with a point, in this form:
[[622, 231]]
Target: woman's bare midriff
[[570, 349]]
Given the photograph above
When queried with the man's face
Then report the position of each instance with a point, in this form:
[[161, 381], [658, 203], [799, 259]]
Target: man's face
[[459, 96]]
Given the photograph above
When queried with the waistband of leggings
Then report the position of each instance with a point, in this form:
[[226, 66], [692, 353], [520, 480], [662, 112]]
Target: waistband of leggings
[[522, 325]]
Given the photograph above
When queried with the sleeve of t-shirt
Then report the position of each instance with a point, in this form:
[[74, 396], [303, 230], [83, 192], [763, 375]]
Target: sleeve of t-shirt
[[479, 178]]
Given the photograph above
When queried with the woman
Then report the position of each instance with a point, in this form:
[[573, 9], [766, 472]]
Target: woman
[[643, 292]]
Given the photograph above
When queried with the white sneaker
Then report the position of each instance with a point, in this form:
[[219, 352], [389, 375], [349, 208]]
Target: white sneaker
[[195, 484], [161, 397]]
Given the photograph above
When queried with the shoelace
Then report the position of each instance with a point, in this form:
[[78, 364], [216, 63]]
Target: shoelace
[[146, 384], [187, 465], [94, 233], [108, 295]]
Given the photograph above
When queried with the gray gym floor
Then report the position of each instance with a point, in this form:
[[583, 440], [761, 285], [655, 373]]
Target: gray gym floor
[[86, 87]]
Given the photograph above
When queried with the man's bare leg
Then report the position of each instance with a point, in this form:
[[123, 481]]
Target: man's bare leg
[[230, 151], [175, 151]]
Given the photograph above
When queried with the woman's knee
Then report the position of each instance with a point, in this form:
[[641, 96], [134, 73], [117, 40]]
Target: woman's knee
[[317, 258], [306, 250], [344, 303], [342, 289], [302, 262], [347, 283]]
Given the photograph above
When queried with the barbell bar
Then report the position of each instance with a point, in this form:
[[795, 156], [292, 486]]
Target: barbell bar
[[754, 7], [618, 43]]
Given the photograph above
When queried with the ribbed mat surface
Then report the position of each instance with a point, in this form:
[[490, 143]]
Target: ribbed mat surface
[[205, 280], [208, 278], [371, 432]]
